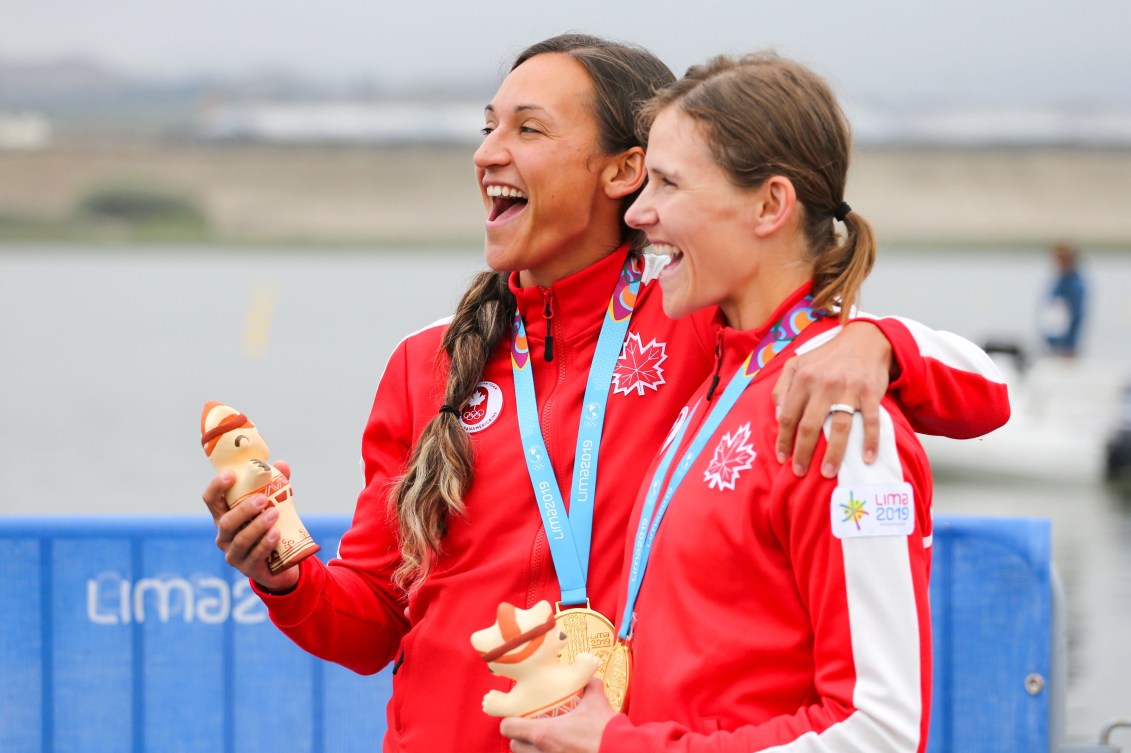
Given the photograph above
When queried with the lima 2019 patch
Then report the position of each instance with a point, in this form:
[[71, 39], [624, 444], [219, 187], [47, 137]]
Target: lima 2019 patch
[[873, 510]]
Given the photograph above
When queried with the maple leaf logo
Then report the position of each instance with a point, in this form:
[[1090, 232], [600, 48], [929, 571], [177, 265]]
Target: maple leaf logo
[[639, 366], [733, 455], [471, 412], [482, 408]]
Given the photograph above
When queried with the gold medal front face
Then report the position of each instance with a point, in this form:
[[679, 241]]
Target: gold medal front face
[[588, 631]]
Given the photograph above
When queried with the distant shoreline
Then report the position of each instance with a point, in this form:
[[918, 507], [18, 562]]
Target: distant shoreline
[[420, 195]]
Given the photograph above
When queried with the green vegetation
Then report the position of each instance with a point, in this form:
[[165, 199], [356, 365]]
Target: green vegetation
[[115, 214], [139, 213]]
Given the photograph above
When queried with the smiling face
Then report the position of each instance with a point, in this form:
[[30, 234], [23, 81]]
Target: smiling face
[[542, 176], [230, 440], [691, 211]]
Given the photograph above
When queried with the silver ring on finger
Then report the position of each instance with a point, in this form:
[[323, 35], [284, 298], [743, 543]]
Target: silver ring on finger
[[841, 408]]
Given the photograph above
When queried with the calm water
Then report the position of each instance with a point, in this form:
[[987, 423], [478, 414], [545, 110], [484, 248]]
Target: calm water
[[109, 355]]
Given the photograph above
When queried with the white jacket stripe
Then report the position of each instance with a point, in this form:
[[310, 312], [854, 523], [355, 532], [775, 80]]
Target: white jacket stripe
[[883, 622], [948, 348]]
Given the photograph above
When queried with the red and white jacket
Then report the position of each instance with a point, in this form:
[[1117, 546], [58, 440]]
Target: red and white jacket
[[349, 612], [779, 612]]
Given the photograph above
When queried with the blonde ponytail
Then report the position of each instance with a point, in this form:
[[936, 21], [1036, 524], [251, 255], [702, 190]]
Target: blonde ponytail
[[839, 273]]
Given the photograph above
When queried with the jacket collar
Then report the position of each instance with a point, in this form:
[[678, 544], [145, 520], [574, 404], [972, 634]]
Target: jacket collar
[[736, 344], [577, 302]]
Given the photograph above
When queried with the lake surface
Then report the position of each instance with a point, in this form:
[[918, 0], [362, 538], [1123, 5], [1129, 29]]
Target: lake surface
[[110, 354]]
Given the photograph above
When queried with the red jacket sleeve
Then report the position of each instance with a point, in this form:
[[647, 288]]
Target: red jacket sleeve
[[349, 611], [866, 596], [947, 385]]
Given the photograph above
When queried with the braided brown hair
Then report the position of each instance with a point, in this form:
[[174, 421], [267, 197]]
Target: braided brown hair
[[440, 468]]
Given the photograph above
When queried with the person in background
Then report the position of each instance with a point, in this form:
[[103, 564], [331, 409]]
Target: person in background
[[487, 431], [1063, 311], [762, 610]]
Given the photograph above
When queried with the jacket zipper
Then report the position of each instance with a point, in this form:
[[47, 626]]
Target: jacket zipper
[[541, 552], [548, 315], [547, 407], [718, 366]]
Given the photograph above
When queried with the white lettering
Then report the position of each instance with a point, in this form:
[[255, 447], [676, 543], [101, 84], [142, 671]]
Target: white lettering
[[554, 526], [166, 590], [95, 605], [584, 464], [249, 608], [112, 599], [212, 609]]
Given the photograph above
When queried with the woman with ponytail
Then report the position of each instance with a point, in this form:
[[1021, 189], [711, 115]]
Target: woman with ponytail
[[487, 432], [763, 610]]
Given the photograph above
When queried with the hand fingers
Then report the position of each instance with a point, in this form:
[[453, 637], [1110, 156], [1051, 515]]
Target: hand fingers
[[807, 435], [521, 733], [284, 468], [248, 536], [789, 399], [249, 551], [214, 494], [517, 729], [234, 519], [579, 730], [595, 695], [781, 386], [840, 425], [871, 414]]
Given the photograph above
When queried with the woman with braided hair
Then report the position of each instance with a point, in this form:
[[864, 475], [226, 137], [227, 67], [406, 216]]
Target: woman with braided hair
[[488, 430]]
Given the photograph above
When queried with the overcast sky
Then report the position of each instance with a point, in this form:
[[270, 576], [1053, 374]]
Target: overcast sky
[[876, 52]]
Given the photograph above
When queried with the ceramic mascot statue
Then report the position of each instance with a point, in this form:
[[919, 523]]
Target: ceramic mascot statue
[[523, 645], [233, 443]]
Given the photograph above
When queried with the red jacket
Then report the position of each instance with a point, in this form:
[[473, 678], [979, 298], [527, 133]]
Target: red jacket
[[349, 612], [756, 626]]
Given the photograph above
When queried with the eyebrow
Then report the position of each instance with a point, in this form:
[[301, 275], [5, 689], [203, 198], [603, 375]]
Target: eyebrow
[[518, 108], [660, 172]]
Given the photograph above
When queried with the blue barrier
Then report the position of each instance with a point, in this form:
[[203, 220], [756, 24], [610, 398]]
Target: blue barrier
[[133, 635], [992, 617]]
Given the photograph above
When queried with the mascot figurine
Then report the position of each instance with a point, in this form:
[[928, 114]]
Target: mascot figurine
[[233, 444], [523, 645]]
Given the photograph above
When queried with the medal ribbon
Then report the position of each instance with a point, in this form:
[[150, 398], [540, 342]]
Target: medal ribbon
[[776, 340], [570, 534]]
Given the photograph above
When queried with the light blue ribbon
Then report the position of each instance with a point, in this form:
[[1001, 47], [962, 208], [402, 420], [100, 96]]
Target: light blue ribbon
[[776, 340], [570, 534]]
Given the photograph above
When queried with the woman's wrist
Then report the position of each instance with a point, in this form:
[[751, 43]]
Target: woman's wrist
[[283, 586]]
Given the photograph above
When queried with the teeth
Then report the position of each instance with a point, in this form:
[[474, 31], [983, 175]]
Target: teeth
[[505, 191], [654, 263]]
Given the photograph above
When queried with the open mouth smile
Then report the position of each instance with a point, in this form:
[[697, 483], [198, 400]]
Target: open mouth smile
[[506, 202], [665, 259]]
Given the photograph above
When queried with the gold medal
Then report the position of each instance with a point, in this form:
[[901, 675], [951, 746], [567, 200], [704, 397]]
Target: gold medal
[[589, 631], [618, 670]]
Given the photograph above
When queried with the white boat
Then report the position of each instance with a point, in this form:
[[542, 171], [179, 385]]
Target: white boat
[[1064, 412]]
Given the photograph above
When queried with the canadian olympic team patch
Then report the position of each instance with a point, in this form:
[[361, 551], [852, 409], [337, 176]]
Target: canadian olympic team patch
[[482, 408], [873, 510]]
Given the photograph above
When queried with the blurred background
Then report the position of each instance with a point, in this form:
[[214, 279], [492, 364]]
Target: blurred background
[[254, 202]]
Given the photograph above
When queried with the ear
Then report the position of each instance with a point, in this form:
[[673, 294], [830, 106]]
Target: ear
[[777, 206], [624, 173]]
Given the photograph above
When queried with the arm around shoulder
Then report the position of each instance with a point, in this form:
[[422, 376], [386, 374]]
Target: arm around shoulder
[[946, 385]]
